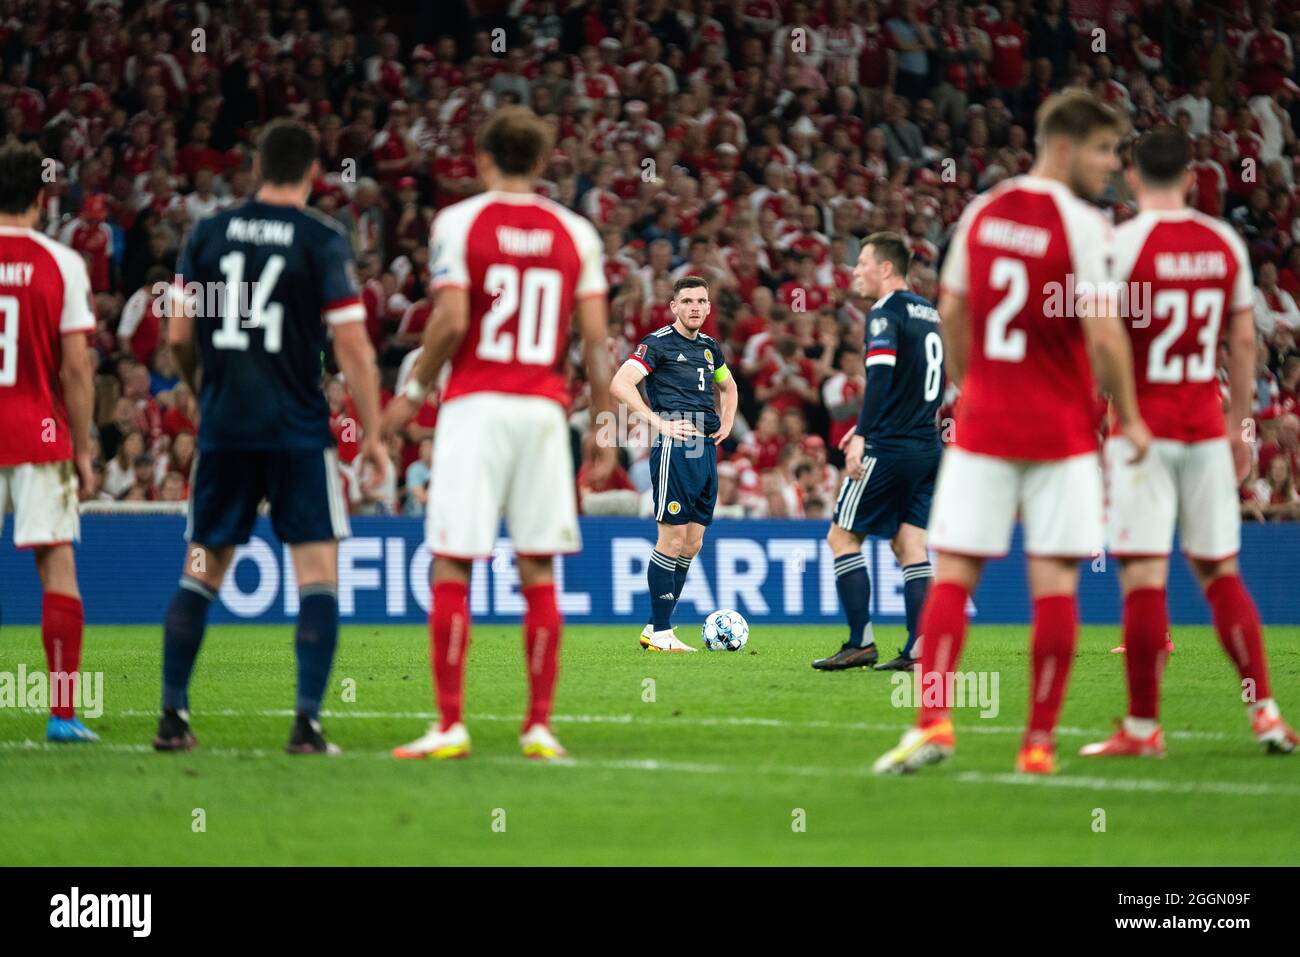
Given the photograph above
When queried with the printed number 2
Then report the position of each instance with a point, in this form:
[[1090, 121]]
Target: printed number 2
[[1001, 342], [8, 340]]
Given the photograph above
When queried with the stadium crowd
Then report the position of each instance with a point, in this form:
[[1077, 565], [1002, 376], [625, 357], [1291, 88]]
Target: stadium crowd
[[753, 142]]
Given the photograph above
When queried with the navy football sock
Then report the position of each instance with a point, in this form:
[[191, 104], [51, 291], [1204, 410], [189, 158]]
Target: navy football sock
[[916, 585], [314, 642], [661, 574], [854, 587], [183, 625], [679, 578]]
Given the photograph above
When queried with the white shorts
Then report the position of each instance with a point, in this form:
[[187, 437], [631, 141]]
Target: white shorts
[[977, 498], [43, 498], [1191, 485], [497, 454]]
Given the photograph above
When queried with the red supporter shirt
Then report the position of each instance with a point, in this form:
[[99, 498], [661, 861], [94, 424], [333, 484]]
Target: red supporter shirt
[[1028, 392], [525, 262], [44, 294], [1008, 66]]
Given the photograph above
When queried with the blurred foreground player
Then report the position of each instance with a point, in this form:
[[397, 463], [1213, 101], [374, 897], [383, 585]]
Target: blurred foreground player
[[1197, 272], [891, 455], [46, 395], [1019, 336], [510, 269], [260, 288]]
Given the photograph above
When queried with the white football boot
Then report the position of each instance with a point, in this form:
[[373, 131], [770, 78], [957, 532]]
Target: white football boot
[[439, 745], [538, 743]]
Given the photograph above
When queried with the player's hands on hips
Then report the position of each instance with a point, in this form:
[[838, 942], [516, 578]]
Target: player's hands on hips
[[677, 429], [846, 438], [1139, 437], [84, 465], [375, 455], [1241, 454], [720, 436], [853, 457]]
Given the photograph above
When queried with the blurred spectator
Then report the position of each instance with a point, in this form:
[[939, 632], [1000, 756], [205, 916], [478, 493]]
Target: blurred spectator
[[120, 474]]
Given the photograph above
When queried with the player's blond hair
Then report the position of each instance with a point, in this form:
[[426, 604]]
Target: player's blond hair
[[1076, 115], [516, 139]]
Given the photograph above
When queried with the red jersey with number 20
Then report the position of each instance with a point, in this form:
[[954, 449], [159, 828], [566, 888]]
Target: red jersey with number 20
[[44, 293], [1189, 273], [1020, 257], [525, 262]]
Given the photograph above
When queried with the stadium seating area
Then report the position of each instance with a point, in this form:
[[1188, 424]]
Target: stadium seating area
[[754, 142]]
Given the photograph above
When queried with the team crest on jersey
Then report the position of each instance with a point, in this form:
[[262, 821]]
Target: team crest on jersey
[[708, 356], [878, 326], [674, 508]]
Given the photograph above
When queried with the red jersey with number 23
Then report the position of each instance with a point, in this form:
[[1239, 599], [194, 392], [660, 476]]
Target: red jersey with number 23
[[44, 293], [1022, 256], [525, 262], [1188, 273]]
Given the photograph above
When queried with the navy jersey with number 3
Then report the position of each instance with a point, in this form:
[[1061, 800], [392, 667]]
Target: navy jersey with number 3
[[286, 274], [903, 348], [680, 373]]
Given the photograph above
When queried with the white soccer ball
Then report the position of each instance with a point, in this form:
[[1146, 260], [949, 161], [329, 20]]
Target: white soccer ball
[[725, 631]]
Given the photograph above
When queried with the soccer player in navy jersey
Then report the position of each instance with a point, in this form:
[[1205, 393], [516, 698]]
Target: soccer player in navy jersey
[[680, 365], [252, 354], [892, 455]]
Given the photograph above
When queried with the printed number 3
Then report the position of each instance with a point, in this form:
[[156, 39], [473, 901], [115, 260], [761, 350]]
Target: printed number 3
[[701, 372]]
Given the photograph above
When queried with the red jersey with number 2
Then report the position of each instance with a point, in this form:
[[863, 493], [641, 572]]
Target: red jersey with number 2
[[1023, 256], [525, 262], [1185, 273]]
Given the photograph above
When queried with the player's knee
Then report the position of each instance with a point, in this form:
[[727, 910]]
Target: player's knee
[[1207, 570], [841, 540], [672, 539], [57, 569]]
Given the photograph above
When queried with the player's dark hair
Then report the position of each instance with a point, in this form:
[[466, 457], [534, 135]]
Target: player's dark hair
[[889, 247], [516, 139], [20, 177], [286, 150], [690, 282], [1161, 156], [1076, 115]]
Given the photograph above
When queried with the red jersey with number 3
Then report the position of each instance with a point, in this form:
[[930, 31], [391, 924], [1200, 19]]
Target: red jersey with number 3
[[1022, 256], [44, 293], [525, 262], [1185, 273]]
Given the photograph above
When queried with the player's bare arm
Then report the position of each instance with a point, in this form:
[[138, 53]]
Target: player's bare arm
[[729, 398], [443, 333], [1111, 358], [593, 329], [180, 339], [624, 389], [954, 327], [77, 378], [356, 358], [1241, 386]]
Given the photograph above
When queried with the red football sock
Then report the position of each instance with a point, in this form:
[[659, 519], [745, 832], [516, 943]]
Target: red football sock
[[542, 629], [449, 645], [1146, 622], [943, 631], [1237, 624], [62, 621], [1055, 635]]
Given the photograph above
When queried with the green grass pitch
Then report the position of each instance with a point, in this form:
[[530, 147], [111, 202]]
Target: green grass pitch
[[739, 758]]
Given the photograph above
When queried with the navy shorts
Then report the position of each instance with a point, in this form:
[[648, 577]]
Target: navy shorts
[[893, 489], [302, 486], [684, 479]]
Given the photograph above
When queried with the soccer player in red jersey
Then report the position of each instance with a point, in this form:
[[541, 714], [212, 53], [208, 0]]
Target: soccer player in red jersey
[[1190, 273], [46, 396], [510, 269], [1024, 338]]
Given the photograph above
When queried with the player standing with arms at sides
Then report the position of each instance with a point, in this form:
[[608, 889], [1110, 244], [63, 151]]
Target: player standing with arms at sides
[[510, 269], [1198, 273], [253, 357], [1020, 341], [891, 457], [680, 365], [46, 396]]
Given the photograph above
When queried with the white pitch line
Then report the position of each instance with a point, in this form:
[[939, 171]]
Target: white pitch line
[[1138, 785], [978, 727]]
